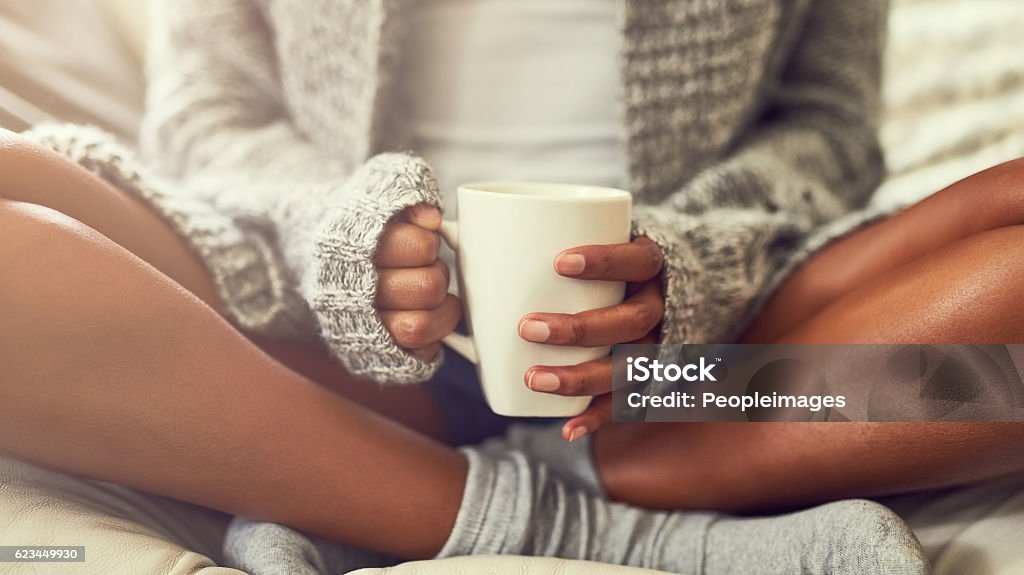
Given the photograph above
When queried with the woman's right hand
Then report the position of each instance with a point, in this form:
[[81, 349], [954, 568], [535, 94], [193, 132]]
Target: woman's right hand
[[412, 283]]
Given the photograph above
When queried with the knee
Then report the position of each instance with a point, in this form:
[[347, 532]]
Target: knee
[[9, 139], [30, 232], [1009, 176], [989, 262], [993, 198], [1000, 246]]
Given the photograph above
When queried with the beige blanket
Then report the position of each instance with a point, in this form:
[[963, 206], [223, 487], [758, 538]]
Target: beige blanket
[[954, 93]]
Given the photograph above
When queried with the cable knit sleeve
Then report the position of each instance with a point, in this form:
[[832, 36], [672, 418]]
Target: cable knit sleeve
[[217, 124], [739, 227]]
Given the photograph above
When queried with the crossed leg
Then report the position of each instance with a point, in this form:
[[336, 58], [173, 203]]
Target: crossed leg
[[81, 308], [115, 365], [35, 175], [946, 270]]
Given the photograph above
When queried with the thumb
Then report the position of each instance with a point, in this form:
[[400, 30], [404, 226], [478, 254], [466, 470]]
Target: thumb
[[424, 216]]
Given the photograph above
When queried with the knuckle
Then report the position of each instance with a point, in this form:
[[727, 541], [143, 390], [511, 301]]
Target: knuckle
[[651, 258], [605, 262], [574, 383], [429, 245], [421, 282], [411, 331], [389, 290], [435, 284], [646, 316], [418, 241], [392, 233], [576, 332], [408, 244]]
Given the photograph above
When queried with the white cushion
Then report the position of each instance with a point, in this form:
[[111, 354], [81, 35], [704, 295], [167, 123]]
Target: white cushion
[[42, 508]]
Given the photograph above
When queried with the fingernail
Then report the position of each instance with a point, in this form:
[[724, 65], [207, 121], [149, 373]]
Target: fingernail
[[543, 381], [425, 214], [570, 264], [577, 433], [534, 330]]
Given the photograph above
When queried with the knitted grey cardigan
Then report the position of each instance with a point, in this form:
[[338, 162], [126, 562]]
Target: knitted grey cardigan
[[272, 142]]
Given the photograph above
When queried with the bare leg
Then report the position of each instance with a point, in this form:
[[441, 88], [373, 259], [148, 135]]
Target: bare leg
[[985, 201], [931, 274], [36, 175], [76, 305], [201, 414]]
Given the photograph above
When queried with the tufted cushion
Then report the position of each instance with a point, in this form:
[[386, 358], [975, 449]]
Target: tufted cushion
[[39, 507]]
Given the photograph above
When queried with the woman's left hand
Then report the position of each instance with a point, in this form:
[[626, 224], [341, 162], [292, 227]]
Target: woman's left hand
[[633, 321]]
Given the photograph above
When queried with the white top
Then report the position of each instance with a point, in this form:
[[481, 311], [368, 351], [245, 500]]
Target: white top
[[514, 90]]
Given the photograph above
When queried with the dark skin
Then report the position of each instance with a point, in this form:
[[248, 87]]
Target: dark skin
[[413, 298], [95, 328], [633, 321], [943, 271], [848, 279]]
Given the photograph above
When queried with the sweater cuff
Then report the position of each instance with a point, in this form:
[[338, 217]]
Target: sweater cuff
[[342, 285], [680, 276], [240, 259]]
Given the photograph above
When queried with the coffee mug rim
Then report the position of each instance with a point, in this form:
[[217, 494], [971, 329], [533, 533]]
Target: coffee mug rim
[[609, 194]]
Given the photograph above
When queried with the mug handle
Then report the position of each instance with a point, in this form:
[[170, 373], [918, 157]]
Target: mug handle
[[460, 344]]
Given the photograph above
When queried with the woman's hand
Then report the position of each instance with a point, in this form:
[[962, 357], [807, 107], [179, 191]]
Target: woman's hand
[[412, 284], [633, 321]]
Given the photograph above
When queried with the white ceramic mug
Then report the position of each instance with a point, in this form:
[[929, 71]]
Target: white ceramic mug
[[506, 241]]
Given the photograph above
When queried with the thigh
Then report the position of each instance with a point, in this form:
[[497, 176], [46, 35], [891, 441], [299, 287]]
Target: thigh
[[985, 201], [113, 371], [966, 292]]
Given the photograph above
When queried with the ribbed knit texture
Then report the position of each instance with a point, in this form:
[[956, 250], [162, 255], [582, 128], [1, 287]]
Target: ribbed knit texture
[[243, 265], [749, 126], [513, 505], [532, 493]]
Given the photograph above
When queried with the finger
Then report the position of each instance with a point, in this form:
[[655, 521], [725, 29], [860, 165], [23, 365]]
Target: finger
[[593, 377], [412, 288], [423, 215], [415, 329], [427, 353], [587, 378], [628, 321], [598, 414], [637, 261], [404, 245]]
